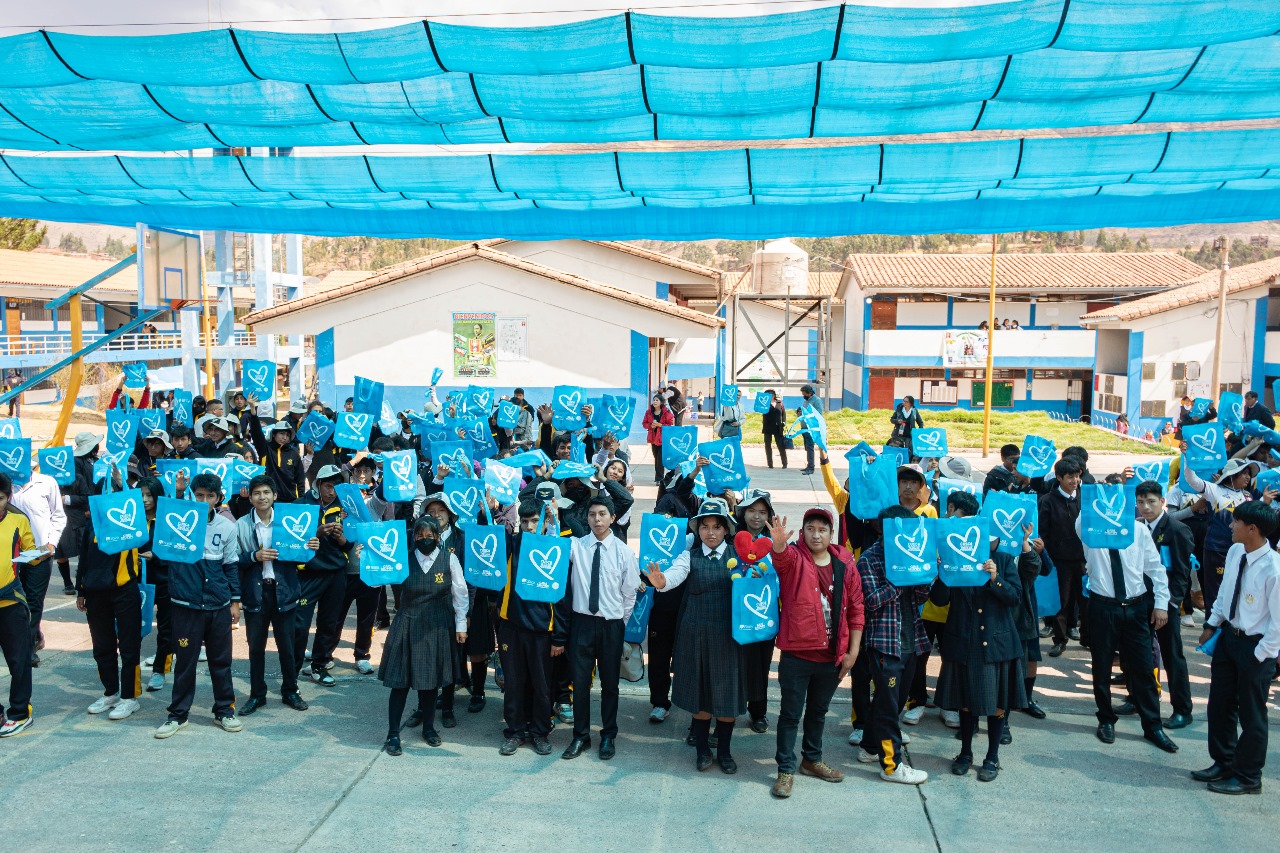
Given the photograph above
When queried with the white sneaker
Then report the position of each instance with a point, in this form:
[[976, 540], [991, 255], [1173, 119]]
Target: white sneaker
[[364, 667], [906, 775], [1188, 621], [865, 757], [906, 738], [229, 723], [855, 737], [156, 682], [203, 655], [151, 661], [658, 715], [913, 716], [330, 665], [104, 704], [123, 709], [951, 719], [169, 728]]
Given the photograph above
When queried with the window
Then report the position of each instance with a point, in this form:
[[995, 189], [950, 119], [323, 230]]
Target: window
[[1186, 370], [1109, 384], [921, 373], [1179, 389], [1153, 408], [1110, 403], [1234, 387], [1060, 374], [1000, 373], [936, 393], [1179, 371], [1148, 370]]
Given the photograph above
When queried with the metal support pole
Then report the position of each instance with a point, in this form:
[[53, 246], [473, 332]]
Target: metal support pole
[[1215, 387], [991, 351], [77, 372]]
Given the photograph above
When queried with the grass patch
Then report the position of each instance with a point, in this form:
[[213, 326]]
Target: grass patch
[[964, 430]]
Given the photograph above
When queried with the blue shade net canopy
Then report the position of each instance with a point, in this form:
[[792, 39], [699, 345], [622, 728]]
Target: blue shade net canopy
[[1058, 113]]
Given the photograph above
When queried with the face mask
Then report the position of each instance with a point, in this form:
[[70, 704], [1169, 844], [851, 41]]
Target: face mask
[[425, 546]]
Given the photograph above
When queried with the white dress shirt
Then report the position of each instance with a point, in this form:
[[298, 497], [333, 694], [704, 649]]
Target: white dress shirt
[[1139, 559], [619, 576], [1258, 611], [680, 568], [458, 583], [41, 501], [262, 529]]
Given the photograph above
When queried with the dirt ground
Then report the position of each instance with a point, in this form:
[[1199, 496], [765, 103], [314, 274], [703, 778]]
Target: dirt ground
[[38, 422]]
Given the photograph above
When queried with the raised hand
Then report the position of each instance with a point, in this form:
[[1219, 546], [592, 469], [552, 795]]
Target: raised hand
[[779, 533], [656, 577]]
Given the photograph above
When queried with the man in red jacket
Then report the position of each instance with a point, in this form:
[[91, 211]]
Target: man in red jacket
[[820, 632]]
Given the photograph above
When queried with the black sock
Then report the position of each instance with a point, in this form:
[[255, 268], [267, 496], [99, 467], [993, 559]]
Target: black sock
[[64, 569], [427, 705], [446, 699], [701, 734], [1029, 684], [395, 710], [724, 733], [995, 723], [968, 725], [479, 672]]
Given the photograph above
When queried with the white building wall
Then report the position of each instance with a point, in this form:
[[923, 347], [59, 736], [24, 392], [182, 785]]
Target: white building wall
[[969, 314], [602, 264]]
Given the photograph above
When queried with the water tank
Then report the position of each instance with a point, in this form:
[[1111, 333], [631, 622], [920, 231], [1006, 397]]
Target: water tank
[[780, 267]]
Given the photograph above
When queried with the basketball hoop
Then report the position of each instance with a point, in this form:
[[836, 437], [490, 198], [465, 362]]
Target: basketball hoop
[[179, 304]]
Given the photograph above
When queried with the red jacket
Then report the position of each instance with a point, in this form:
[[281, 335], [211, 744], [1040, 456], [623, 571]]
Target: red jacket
[[802, 627], [654, 426]]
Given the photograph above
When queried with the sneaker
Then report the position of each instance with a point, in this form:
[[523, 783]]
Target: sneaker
[[151, 661], [1188, 621], [865, 757], [364, 667], [169, 728], [104, 704], [565, 712], [204, 656], [68, 590], [1045, 631], [322, 677], [9, 728], [951, 719], [905, 774], [542, 746], [912, 716], [156, 682], [306, 654], [229, 723], [659, 715], [330, 665], [124, 708], [509, 746], [855, 737], [906, 738]]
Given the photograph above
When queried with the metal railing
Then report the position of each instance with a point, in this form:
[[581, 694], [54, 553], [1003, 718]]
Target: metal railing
[[60, 344]]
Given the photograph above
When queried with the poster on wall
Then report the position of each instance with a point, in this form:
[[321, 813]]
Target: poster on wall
[[474, 345], [513, 338], [964, 349]]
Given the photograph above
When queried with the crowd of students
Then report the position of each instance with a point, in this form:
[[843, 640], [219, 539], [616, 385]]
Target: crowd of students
[[839, 615]]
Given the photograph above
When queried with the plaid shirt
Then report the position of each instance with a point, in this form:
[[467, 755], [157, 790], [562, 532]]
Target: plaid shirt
[[881, 602]]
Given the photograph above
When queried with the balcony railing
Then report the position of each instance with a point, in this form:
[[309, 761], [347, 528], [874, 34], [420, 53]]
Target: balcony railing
[[60, 344]]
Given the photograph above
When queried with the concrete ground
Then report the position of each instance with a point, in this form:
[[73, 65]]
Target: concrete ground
[[318, 781]]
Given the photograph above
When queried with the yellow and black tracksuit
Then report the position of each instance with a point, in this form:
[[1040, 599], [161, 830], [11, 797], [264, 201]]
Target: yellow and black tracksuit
[[113, 603], [15, 629]]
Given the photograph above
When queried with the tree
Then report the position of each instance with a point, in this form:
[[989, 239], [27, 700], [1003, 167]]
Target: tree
[[698, 253], [71, 243], [21, 234], [117, 248]]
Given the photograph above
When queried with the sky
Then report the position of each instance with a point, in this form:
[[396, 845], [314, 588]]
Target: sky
[[133, 17]]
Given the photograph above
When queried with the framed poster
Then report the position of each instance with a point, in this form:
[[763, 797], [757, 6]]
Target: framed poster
[[513, 338], [474, 345]]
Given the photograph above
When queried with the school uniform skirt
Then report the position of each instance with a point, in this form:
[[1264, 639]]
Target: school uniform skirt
[[982, 688], [421, 651], [709, 674]]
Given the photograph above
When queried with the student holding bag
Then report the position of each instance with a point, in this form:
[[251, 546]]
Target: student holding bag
[[729, 424]]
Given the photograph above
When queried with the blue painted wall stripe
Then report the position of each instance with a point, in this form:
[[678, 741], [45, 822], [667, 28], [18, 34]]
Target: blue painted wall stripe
[[1258, 370], [1133, 401], [326, 378]]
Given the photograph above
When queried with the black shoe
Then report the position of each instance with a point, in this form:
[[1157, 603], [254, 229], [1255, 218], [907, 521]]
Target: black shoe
[[727, 764], [576, 747], [1213, 773], [383, 624], [1119, 679], [432, 737], [1235, 786], [1074, 634], [960, 764], [542, 746], [253, 704], [990, 770], [1178, 721], [1160, 739], [447, 719], [1034, 710], [68, 590], [35, 660], [760, 725], [509, 746], [807, 472], [1006, 736], [1106, 733], [607, 748], [1057, 649], [704, 761], [476, 705], [294, 701], [1125, 709], [415, 719], [392, 746]]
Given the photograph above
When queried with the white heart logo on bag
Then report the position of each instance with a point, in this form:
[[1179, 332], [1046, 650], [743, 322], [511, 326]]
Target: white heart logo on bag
[[665, 541], [682, 443], [121, 429], [296, 526], [1041, 454], [356, 422], [124, 516], [402, 468], [477, 433], [485, 549], [184, 524], [1149, 471], [385, 545], [505, 475], [13, 458], [546, 561], [643, 603], [929, 439], [57, 461], [457, 461], [961, 544], [8, 431], [466, 502], [1237, 409], [1008, 521], [181, 412], [571, 402], [258, 376], [482, 399], [724, 459], [1206, 441], [619, 415], [1108, 509], [759, 604], [913, 544]]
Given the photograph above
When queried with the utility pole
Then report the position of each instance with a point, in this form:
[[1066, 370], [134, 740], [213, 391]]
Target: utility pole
[[1215, 388], [991, 351]]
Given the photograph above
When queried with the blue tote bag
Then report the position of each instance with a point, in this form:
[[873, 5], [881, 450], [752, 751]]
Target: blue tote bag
[[168, 469], [872, 485], [465, 496], [1108, 515], [944, 486], [259, 379], [1048, 597], [484, 561], [929, 443], [617, 414], [1231, 411], [764, 401], [725, 467], [457, 455], [315, 430], [180, 529], [399, 475], [508, 414], [502, 481], [755, 608], [964, 546], [1157, 471], [1008, 513], [1038, 456], [182, 408], [118, 520], [122, 430], [292, 527], [15, 459], [148, 591], [58, 463], [661, 540], [384, 558], [353, 430], [566, 407], [1206, 448], [679, 444], [638, 625], [367, 397], [910, 551], [543, 569]]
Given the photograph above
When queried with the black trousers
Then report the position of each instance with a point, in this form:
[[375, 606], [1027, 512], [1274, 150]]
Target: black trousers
[[860, 689], [1071, 592], [1175, 662], [658, 470], [807, 688], [595, 643], [775, 438], [15, 643], [192, 629], [1125, 630], [757, 663], [115, 629], [163, 663], [662, 641], [365, 598], [35, 584], [283, 626], [890, 675], [919, 693], [322, 592], [808, 450], [526, 696], [1211, 578], [1238, 688]]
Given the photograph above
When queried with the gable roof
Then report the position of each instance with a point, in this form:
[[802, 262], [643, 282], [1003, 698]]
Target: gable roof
[[1202, 288], [641, 252], [1082, 271], [484, 251]]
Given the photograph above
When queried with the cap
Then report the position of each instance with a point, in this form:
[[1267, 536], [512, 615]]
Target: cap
[[913, 470], [160, 435], [819, 512], [548, 491]]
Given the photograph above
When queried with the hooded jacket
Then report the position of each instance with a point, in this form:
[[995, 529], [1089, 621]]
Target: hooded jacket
[[802, 627]]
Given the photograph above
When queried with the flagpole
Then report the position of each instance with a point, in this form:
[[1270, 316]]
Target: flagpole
[[991, 349]]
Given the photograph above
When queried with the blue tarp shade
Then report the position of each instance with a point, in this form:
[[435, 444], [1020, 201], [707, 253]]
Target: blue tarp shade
[[838, 71]]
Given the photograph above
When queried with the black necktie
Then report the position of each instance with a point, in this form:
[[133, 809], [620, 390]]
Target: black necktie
[[593, 603], [1117, 576], [1235, 598]]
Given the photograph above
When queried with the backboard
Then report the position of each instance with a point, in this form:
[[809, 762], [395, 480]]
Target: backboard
[[169, 267]]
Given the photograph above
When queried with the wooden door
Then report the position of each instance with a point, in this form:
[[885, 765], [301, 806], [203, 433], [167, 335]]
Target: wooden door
[[884, 314], [880, 392], [13, 320]]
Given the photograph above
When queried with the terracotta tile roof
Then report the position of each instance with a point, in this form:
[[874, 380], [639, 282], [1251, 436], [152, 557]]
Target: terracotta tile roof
[[1202, 288], [1087, 271], [336, 278], [60, 272], [485, 251]]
